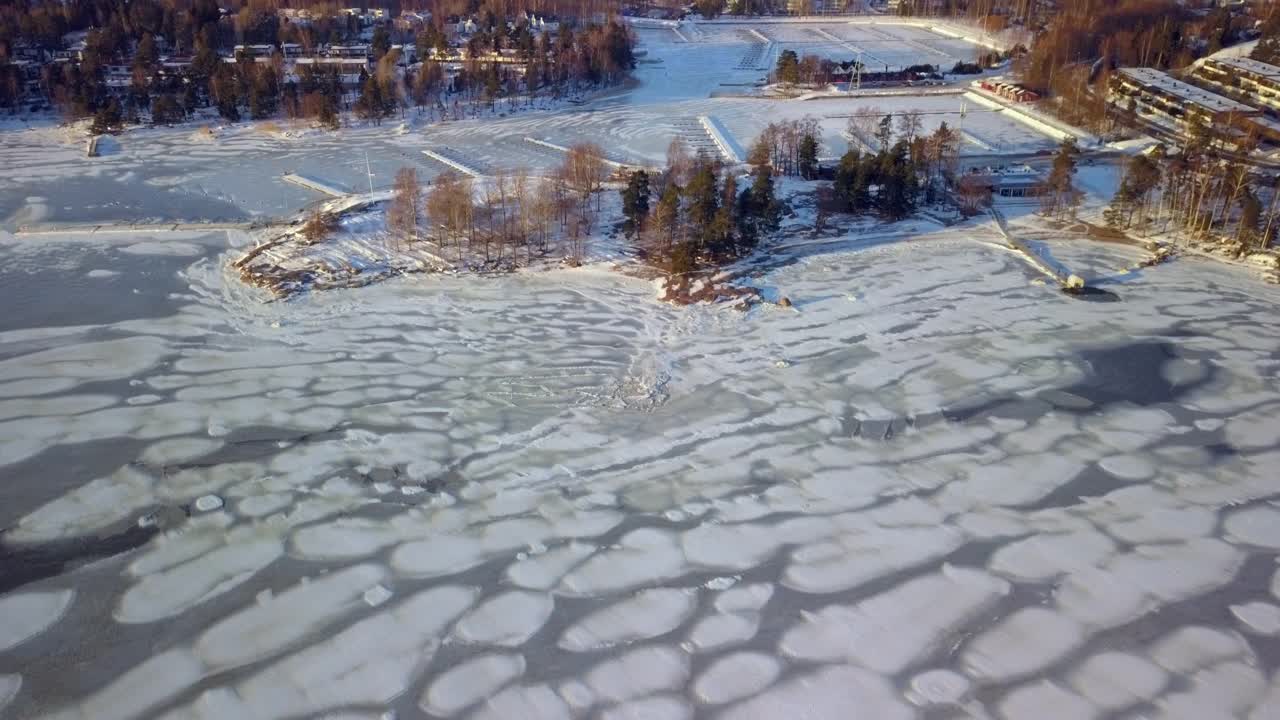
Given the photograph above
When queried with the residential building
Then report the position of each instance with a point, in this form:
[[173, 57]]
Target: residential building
[[344, 66], [411, 21], [350, 51], [296, 16], [253, 51], [1158, 93], [1257, 81]]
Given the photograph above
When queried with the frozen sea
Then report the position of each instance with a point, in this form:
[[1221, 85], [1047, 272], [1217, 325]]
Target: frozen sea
[[933, 488]]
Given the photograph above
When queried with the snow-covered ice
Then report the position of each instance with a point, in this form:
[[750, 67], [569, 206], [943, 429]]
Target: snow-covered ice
[[549, 540], [25, 615], [508, 619], [647, 614], [547, 495], [470, 682], [736, 676]]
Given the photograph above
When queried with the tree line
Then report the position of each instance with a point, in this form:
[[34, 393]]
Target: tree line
[[693, 215], [509, 220], [889, 176], [1197, 191], [140, 31]]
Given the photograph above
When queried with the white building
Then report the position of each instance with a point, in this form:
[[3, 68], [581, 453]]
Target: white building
[[1157, 92]]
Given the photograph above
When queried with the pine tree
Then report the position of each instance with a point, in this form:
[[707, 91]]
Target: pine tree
[[725, 222], [1141, 177], [108, 118], [666, 215], [758, 210], [807, 157], [703, 198], [224, 89], [788, 68], [851, 183], [381, 42], [1250, 215], [370, 105], [1061, 195], [264, 94], [328, 114], [635, 202], [884, 132], [165, 110]]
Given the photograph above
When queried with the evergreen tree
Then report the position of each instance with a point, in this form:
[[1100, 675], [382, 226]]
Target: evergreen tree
[[292, 101], [492, 84], [370, 105], [1061, 195], [1250, 214], [851, 183], [381, 42], [108, 118], [139, 93], [328, 114], [145, 56], [165, 110], [635, 202], [190, 98], [264, 94], [725, 223], [1141, 177], [758, 210], [788, 68], [896, 196], [666, 215], [225, 90], [703, 198], [884, 132], [807, 157]]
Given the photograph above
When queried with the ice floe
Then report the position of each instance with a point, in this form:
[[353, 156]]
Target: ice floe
[[825, 694], [508, 619], [10, 685], [736, 676], [659, 707], [887, 632], [1113, 680], [469, 682], [23, 615], [1262, 618], [647, 614], [639, 672], [1022, 644], [172, 590], [534, 702], [1048, 700]]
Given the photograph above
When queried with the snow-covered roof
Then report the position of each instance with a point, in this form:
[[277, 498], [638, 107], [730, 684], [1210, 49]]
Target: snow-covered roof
[[330, 61], [1269, 124], [1251, 66], [1166, 83]]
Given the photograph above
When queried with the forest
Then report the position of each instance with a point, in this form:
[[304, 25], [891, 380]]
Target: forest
[[1197, 190], [137, 34]]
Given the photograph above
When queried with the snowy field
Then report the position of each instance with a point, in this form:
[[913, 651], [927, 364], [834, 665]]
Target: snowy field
[[932, 488], [236, 173], [881, 45]]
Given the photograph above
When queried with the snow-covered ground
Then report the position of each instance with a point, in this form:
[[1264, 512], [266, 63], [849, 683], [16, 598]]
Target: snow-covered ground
[[882, 45], [237, 172]]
